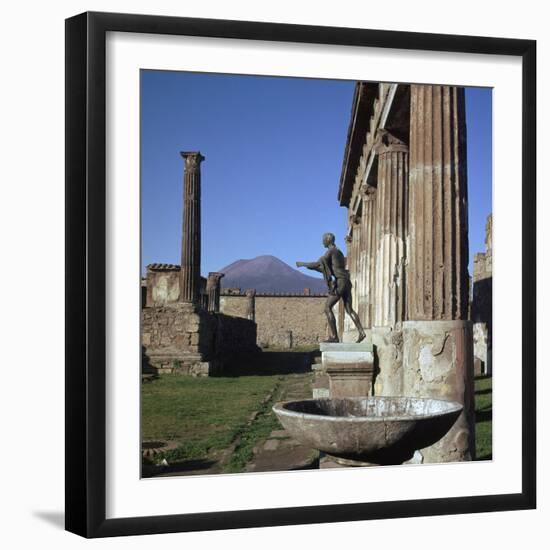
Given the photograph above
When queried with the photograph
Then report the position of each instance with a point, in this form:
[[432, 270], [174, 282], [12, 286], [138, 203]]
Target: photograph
[[316, 273]]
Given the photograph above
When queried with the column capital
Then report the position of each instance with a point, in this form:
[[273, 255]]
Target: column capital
[[388, 143], [355, 219], [368, 191], [214, 278], [193, 159]]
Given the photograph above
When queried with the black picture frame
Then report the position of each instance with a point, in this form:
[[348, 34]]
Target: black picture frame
[[86, 284]]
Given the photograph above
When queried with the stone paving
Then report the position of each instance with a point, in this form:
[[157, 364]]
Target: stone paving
[[280, 452]]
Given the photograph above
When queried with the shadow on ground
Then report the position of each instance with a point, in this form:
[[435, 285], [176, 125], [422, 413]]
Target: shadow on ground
[[185, 467], [57, 519], [270, 363], [483, 416]]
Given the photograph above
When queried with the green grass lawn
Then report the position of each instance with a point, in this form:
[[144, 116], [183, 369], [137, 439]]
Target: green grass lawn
[[484, 418], [201, 414]]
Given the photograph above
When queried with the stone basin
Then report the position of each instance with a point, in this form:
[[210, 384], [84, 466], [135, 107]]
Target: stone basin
[[375, 430]]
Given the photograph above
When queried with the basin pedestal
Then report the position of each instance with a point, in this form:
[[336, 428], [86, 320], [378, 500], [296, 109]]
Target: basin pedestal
[[350, 368], [327, 461]]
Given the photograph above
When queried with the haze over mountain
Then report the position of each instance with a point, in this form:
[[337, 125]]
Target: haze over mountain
[[269, 274]]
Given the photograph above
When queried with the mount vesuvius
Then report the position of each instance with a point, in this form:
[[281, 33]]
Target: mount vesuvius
[[269, 274]]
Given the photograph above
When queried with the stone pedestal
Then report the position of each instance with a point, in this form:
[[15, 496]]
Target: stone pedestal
[[350, 368], [438, 363], [327, 462]]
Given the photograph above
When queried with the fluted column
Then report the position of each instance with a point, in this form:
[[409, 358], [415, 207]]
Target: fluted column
[[213, 291], [191, 237], [391, 214], [369, 232], [438, 253], [356, 251]]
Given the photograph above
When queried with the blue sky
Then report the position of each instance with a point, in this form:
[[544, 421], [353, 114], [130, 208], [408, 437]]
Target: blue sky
[[274, 149]]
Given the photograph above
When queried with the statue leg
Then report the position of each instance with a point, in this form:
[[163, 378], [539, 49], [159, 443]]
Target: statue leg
[[329, 304], [348, 304]]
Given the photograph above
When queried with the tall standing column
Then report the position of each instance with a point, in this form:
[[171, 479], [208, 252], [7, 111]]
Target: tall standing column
[[438, 258], [355, 272], [369, 230], [437, 338], [191, 238], [392, 214]]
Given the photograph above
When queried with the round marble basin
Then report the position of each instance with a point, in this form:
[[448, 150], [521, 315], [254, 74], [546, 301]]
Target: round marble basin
[[377, 430]]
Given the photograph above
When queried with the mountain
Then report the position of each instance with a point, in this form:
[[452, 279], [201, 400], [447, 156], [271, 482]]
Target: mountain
[[269, 274]]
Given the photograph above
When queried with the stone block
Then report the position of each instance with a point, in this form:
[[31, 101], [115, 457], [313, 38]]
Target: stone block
[[478, 366], [200, 369], [347, 347], [350, 380], [389, 353], [350, 368], [321, 393], [271, 445]]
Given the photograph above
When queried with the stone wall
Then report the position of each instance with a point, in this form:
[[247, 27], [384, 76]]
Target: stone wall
[[284, 321], [183, 338], [234, 335]]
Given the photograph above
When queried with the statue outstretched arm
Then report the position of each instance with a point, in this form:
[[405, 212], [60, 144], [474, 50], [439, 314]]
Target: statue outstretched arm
[[315, 266]]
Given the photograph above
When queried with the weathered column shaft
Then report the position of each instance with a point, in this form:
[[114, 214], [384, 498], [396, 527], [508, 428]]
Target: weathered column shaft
[[191, 238], [392, 217], [251, 304], [438, 217], [356, 247], [213, 285], [369, 232]]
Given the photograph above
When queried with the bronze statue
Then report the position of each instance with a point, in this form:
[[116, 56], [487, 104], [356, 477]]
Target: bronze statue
[[333, 267]]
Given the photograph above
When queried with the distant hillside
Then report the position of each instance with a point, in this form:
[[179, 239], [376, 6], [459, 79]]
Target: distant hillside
[[269, 274]]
